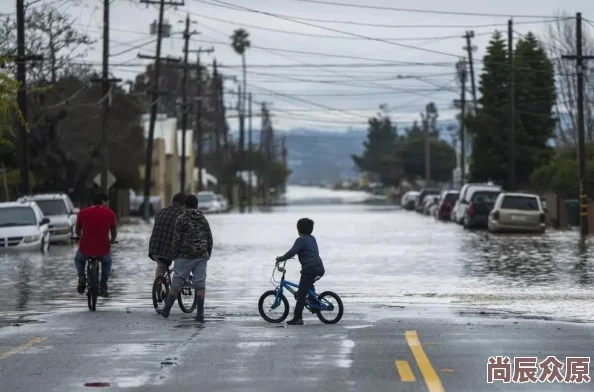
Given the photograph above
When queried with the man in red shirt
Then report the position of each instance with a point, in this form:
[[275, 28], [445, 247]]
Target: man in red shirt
[[94, 226]]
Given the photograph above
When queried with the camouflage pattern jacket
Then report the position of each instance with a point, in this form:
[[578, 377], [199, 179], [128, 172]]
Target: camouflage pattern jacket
[[192, 238]]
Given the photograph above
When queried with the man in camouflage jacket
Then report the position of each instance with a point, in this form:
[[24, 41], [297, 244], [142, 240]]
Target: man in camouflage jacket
[[192, 247]]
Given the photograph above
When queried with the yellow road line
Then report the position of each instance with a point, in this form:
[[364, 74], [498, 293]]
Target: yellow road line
[[431, 378], [22, 347], [405, 371]]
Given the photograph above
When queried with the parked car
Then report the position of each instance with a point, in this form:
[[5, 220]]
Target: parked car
[[446, 205], [223, 202], [60, 211], [517, 212], [420, 200], [207, 202], [481, 204], [430, 202], [137, 203], [408, 200], [466, 194], [23, 227]]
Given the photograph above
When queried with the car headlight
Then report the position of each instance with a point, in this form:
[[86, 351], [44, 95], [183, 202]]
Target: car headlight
[[32, 238]]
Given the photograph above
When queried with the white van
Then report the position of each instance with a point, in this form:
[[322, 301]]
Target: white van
[[466, 195]]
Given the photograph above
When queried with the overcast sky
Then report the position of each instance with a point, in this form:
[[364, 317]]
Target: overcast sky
[[310, 90]]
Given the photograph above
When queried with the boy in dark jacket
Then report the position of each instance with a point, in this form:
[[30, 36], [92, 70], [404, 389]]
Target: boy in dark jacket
[[306, 247]]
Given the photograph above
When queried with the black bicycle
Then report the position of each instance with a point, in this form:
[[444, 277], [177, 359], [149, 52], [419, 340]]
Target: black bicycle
[[186, 298], [94, 266]]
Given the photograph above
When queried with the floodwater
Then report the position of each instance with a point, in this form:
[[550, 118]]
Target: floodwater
[[374, 256]]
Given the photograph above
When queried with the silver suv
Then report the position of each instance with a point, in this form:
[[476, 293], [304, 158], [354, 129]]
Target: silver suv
[[60, 211]]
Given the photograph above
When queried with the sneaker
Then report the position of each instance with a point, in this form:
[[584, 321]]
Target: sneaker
[[104, 292], [295, 321], [82, 285]]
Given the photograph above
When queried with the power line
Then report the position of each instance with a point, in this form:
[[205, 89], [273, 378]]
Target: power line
[[327, 36], [384, 8], [338, 31], [133, 48], [393, 26]]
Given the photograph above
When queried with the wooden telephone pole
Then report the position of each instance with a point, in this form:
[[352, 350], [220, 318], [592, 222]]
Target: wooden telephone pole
[[579, 63], [106, 84], [148, 162]]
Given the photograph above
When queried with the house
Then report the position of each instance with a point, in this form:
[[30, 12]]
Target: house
[[167, 148]]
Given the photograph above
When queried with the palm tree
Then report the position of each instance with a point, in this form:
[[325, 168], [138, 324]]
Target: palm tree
[[240, 42]]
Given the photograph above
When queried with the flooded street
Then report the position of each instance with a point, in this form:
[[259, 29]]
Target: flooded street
[[374, 256], [426, 304]]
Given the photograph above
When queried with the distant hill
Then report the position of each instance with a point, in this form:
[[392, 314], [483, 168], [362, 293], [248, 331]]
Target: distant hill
[[318, 156]]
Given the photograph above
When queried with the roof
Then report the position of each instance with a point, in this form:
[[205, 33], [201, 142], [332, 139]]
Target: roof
[[521, 194], [164, 129], [45, 196], [12, 204]]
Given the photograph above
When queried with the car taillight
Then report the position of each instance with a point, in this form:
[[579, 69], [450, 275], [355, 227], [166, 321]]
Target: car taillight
[[543, 218], [471, 209], [496, 215]]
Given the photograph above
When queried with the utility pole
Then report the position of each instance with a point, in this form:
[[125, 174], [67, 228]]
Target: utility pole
[[240, 109], [148, 162], [461, 68], [579, 58], [185, 108], [250, 151], [198, 124], [106, 82], [512, 123], [427, 149], [469, 49], [21, 60]]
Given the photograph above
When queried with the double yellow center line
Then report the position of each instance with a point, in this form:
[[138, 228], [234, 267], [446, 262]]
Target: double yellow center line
[[22, 347], [429, 374]]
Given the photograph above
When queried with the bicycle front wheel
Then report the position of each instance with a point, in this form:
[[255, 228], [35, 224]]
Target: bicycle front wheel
[[276, 315], [186, 299], [160, 292], [334, 310]]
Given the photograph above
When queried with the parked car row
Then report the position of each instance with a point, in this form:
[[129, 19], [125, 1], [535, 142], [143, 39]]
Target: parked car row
[[481, 206], [33, 222]]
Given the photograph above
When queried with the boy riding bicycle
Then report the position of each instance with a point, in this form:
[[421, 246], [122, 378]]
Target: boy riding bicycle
[[312, 267]]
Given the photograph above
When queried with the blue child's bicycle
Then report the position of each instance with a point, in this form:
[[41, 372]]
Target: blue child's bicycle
[[274, 307]]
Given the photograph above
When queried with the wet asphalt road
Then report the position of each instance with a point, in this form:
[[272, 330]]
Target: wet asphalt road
[[466, 295]]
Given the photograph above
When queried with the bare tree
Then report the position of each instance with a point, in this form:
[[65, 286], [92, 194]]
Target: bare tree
[[50, 34], [561, 37]]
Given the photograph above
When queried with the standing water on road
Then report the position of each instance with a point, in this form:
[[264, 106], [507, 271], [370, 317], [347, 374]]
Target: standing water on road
[[373, 256]]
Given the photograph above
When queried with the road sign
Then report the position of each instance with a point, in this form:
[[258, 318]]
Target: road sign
[[110, 179]]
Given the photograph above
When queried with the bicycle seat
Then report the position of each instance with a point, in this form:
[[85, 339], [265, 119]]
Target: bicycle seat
[[97, 258], [167, 262]]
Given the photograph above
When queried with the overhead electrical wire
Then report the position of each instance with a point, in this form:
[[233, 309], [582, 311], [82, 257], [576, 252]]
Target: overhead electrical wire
[[394, 26], [241, 24], [413, 10]]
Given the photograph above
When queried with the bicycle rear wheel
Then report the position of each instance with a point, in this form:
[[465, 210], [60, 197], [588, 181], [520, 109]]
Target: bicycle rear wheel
[[160, 292], [186, 299], [93, 290], [335, 311], [276, 315]]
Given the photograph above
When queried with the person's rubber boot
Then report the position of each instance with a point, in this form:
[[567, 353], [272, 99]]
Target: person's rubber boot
[[168, 304], [200, 305], [295, 321], [82, 285]]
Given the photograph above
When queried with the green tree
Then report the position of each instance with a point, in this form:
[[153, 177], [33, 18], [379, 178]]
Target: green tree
[[381, 154], [534, 123], [535, 98], [488, 127]]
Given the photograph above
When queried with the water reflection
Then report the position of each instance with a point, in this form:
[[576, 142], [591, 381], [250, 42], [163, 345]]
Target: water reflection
[[520, 259], [373, 255]]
